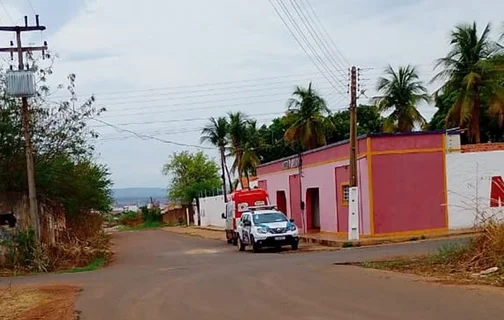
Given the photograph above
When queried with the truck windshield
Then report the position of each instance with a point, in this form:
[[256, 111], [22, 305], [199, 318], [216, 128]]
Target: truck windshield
[[269, 217]]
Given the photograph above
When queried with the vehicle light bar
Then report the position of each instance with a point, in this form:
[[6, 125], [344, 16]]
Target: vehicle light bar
[[269, 206]]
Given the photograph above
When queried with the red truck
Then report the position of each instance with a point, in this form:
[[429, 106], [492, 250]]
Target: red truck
[[240, 201]]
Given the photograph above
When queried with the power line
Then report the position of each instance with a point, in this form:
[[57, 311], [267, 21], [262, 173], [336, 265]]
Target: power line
[[32, 7], [325, 31], [143, 136], [301, 45], [307, 42], [193, 94], [209, 84], [7, 12], [315, 35], [196, 119]]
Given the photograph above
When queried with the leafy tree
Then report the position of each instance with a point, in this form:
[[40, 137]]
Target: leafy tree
[[401, 92], [238, 122], [369, 121], [489, 126], [471, 72], [216, 133], [65, 171], [253, 143], [308, 112], [273, 136], [191, 175]]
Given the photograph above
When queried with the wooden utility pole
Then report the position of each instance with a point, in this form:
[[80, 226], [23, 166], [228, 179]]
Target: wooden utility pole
[[353, 191], [353, 128], [25, 114]]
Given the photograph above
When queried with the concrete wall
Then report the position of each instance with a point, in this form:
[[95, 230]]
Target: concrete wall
[[469, 175], [211, 209]]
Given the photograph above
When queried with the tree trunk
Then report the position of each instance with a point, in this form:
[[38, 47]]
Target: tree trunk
[[475, 119], [228, 176], [248, 179], [223, 158], [240, 168]]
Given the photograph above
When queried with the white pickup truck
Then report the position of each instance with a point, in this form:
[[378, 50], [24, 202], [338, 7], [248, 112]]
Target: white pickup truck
[[266, 228]]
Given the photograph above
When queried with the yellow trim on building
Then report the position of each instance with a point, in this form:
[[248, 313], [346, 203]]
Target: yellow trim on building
[[445, 182], [413, 232], [370, 185], [407, 151]]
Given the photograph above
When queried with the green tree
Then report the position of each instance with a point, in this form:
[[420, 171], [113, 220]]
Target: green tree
[[65, 171], [216, 133], [308, 112], [238, 122], [369, 121], [401, 91], [191, 175], [253, 144], [470, 70]]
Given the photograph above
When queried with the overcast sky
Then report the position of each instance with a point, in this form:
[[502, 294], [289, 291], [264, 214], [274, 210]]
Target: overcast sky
[[162, 67]]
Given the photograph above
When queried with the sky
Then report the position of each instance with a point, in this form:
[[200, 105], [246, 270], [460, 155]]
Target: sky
[[161, 68]]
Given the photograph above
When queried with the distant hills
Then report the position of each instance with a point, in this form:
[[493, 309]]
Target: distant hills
[[138, 196]]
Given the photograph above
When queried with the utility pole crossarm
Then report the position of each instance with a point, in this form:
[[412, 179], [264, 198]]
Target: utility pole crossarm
[[22, 29], [23, 49]]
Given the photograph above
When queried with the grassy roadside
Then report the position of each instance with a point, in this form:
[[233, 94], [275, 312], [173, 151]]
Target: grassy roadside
[[143, 226], [454, 264], [96, 264]]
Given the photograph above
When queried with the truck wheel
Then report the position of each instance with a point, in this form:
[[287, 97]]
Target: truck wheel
[[241, 246], [255, 246], [295, 245], [234, 241]]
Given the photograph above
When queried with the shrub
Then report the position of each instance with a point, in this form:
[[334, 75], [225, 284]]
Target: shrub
[[23, 252], [129, 218], [151, 215]]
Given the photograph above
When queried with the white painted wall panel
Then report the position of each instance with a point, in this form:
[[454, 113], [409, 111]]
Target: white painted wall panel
[[469, 179], [211, 211]]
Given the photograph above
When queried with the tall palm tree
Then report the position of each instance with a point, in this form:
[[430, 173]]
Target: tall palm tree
[[215, 132], [237, 134], [253, 143], [470, 71], [307, 111], [401, 91]]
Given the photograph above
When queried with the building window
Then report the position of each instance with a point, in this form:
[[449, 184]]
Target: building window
[[345, 194]]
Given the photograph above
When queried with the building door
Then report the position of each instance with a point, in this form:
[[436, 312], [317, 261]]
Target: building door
[[341, 181], [313, 209], [295, 200], [281, 201]]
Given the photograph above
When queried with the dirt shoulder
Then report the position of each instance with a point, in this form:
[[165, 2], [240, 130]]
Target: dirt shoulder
[[42, 302], [438, 271]]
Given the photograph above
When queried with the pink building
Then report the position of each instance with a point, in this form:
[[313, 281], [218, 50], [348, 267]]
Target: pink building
[[401, 178]]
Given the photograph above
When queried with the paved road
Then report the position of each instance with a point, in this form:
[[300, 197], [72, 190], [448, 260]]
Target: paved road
[[160, 275]]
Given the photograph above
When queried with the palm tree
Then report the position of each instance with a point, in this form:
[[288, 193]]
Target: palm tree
[[237, 134], [401, 92], [471, 72], [253, 143], [307, 111], [215, 132]]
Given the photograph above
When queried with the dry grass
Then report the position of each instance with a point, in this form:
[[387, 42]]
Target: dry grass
[[49, 302], [457, 263]]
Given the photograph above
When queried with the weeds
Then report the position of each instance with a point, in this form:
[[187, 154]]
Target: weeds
[[97, 263]]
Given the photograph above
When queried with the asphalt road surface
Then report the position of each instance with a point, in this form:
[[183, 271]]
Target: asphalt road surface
[[161, 275]]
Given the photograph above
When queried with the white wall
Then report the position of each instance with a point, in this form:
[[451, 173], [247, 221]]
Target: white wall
[[469, 177], [211, 209]]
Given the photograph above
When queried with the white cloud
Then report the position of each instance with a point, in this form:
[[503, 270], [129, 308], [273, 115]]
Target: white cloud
[[118, 45]]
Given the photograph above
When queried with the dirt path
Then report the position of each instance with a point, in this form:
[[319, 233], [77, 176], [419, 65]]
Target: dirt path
[[162, 275]]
